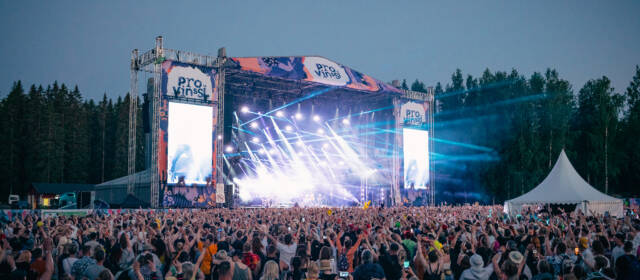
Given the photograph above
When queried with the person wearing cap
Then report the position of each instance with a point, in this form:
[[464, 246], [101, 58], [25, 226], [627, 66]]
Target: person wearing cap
[[585, 252], [148, 249], [477, 271]]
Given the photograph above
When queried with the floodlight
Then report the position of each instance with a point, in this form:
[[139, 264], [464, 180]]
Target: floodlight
[[244, 109]]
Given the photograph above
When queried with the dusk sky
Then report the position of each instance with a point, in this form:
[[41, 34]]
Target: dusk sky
[[89, 43]]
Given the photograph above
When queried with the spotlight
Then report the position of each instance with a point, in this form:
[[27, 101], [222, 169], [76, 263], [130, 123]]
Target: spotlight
[[254, 125], [298, 116], [345, 121], [341, 162], [273, 151], [244, 109], [228, 149], [255, 140], [219, 136], [316, 118], [299, 143], [262, 151], [320, 131], [288, 128], [323, 163], [279, 114], [325, 145]]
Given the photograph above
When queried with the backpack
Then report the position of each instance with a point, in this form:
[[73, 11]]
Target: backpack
[[343, 263]]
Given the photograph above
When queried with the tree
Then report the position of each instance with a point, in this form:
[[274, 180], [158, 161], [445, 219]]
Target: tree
[[628, 140], [404, 84], [596, 125], [418, 86]]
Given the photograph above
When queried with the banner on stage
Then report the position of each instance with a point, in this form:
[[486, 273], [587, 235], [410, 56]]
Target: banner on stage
[[187, 81], [312, 69]]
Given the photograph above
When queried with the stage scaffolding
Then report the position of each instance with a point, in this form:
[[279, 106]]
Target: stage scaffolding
[[150, 62]]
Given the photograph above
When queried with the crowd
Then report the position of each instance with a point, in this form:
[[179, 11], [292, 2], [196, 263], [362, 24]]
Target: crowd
[[463, 242]]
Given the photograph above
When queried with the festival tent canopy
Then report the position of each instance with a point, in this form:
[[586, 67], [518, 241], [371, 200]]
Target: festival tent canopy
[[564, 185]]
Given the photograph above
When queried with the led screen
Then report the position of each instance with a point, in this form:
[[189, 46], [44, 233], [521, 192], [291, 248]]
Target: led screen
[[190, 151], [416, 158]]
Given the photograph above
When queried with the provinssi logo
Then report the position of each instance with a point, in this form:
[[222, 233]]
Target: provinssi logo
[[413, 113], [325, 71], [189, 82]]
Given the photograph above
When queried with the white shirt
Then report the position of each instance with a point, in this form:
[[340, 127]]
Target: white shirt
[[287, 252], [616, 252], [68, 263]]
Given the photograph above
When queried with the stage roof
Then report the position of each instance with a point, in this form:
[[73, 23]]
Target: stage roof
[[295, 76]]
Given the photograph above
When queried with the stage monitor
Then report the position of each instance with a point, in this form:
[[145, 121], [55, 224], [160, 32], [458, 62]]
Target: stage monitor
[[416, 158], [190, 143]]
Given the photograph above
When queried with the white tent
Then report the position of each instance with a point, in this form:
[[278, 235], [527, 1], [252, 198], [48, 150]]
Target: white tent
[[564, 185]]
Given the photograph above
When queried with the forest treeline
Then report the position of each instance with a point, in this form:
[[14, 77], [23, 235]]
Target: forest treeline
[[55, 135], [496, 135]]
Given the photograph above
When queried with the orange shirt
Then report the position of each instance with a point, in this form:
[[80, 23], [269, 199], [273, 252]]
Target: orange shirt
[[209, 253]]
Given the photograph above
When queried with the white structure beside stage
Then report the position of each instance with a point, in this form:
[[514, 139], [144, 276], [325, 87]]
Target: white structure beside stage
[[564, 185]]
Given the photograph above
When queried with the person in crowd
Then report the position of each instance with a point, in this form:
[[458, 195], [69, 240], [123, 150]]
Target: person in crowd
[[93, 271], [368, 269], [80, 266], [627, 266], [271, 271]]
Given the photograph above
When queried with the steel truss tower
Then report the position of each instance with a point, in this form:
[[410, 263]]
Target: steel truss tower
[[151, 62]]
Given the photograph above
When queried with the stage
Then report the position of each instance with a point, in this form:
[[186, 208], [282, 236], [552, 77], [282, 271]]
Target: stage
[[290, 130]]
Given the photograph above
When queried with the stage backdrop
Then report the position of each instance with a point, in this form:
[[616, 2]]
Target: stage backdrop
[[187, 150]]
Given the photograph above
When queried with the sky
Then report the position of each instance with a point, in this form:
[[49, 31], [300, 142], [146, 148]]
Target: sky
[[89, 43]]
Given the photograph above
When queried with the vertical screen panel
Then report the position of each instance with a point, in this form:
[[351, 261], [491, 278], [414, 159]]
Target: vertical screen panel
[[190, 150], [416, 158]]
